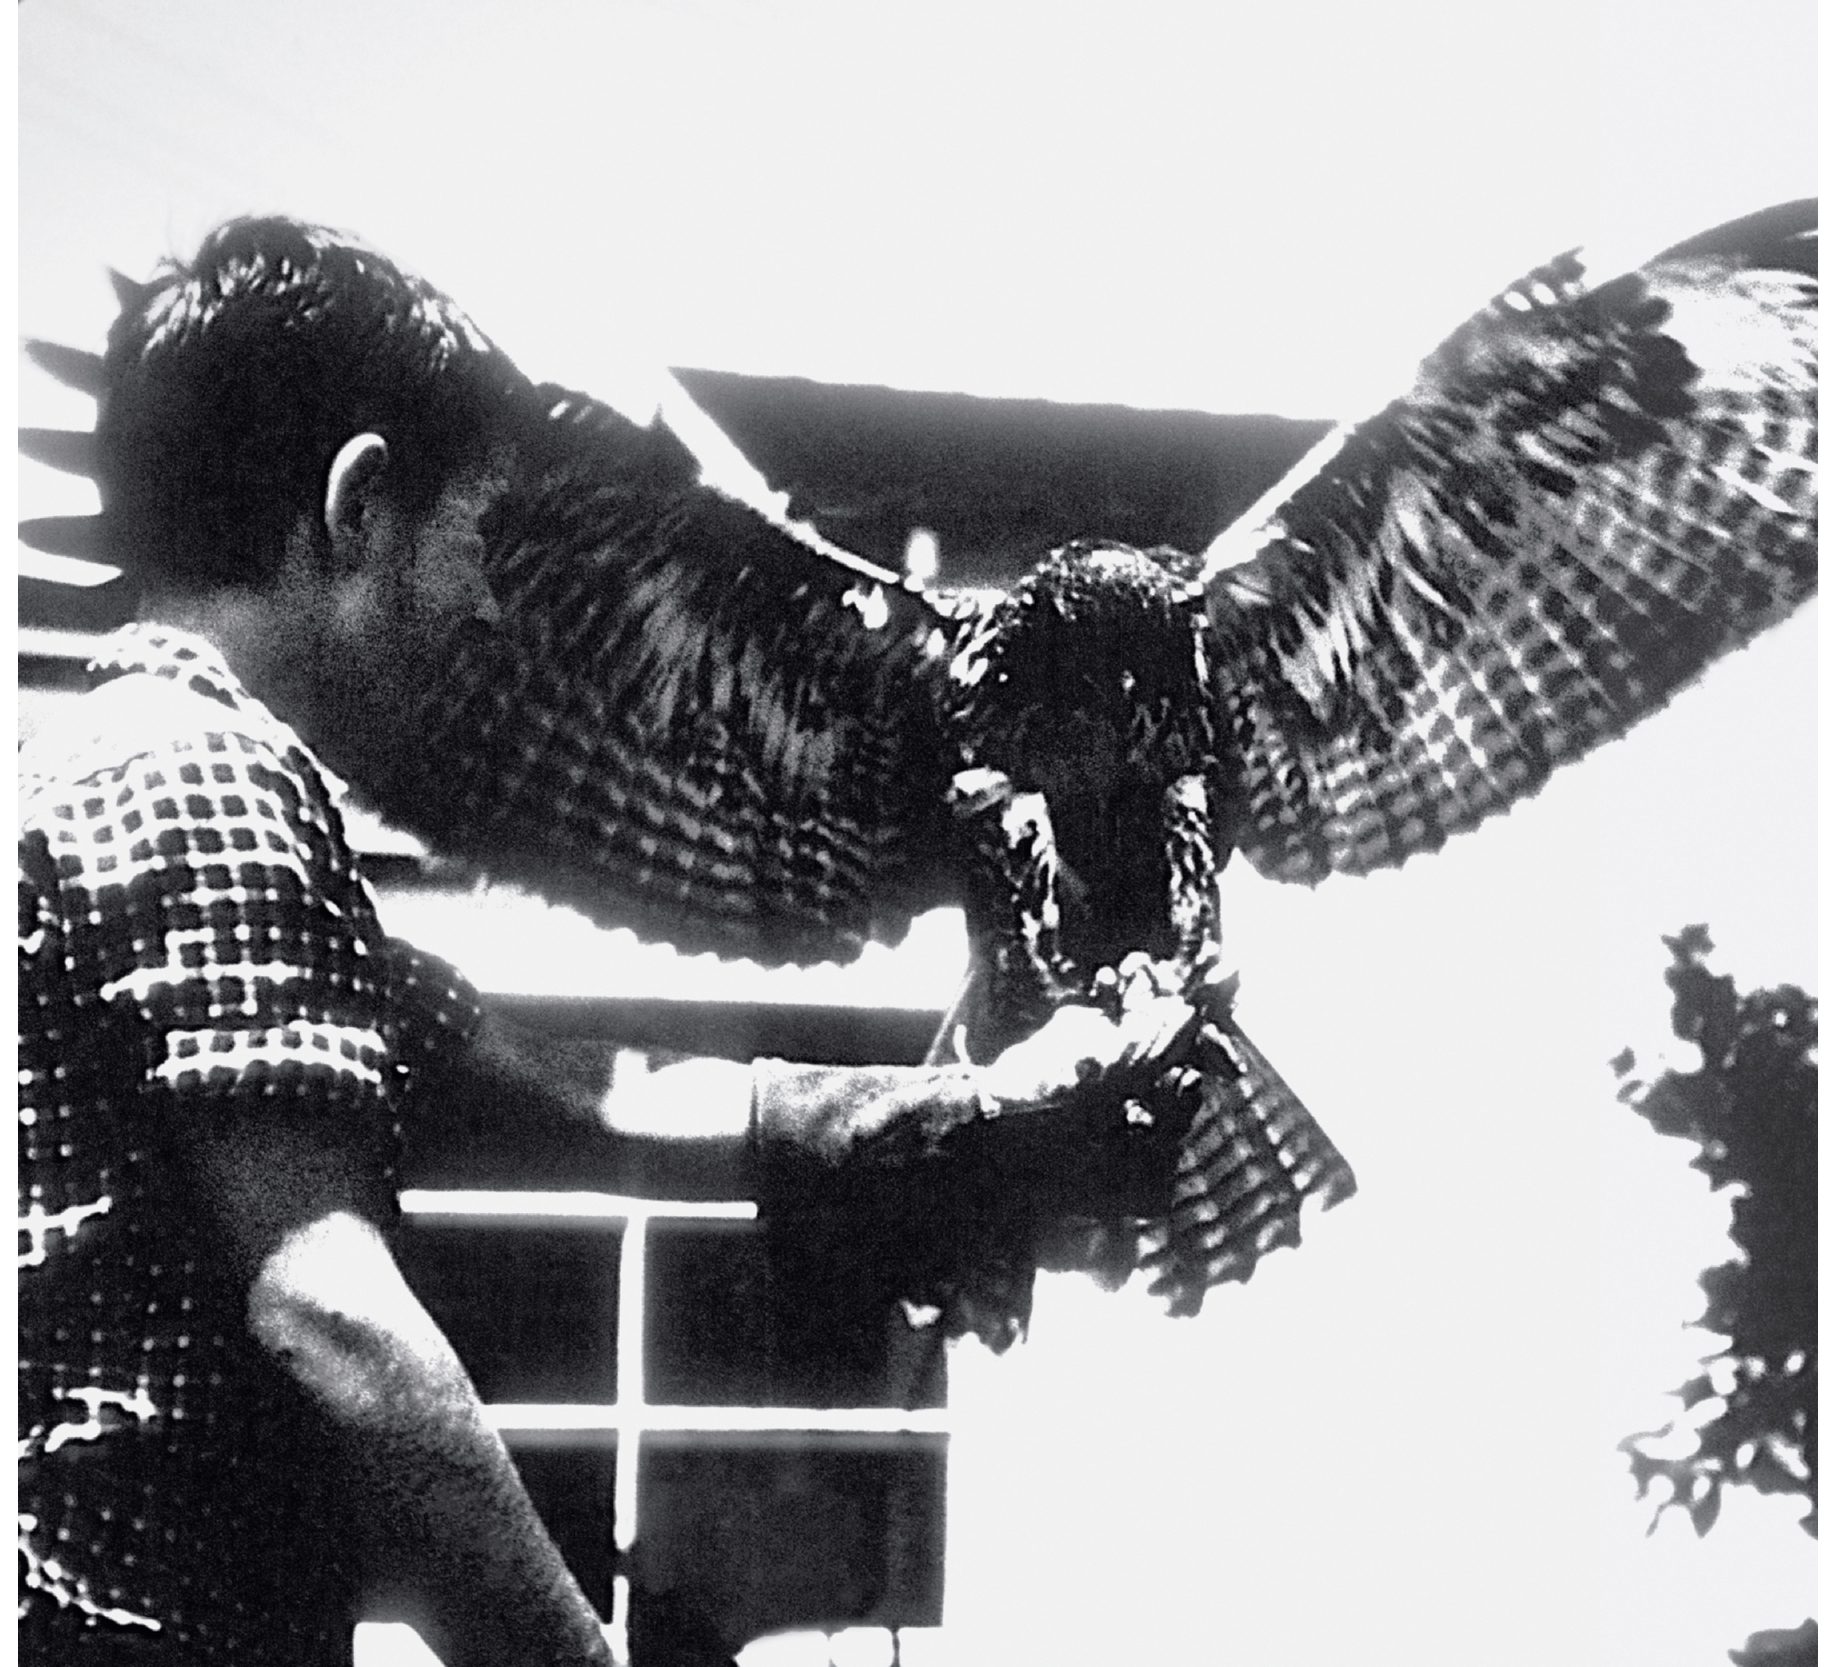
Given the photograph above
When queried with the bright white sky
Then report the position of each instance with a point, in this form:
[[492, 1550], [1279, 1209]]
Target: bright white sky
[[1397, 1444]]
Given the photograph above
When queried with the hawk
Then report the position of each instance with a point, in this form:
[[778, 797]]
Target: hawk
[[722, 731]]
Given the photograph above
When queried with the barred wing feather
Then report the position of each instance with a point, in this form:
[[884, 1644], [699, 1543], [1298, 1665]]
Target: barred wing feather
[[690, 722], [1588, 495], [1251, 1160]]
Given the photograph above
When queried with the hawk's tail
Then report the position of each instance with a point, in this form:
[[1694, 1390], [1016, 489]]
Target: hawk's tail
[[1195, 1198], [1250, 1158]]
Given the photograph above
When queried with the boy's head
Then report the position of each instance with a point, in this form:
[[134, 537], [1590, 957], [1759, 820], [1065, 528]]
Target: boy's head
[[233, 381]]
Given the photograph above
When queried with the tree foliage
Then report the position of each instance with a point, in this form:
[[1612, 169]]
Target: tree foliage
[[1779, 1647], [1751, 1107]]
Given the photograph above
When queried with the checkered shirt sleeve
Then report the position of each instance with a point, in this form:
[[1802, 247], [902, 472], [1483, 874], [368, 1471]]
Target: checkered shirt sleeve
[[212, 911]]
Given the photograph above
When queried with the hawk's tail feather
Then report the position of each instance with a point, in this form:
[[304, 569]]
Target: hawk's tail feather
[[1252, 1156]]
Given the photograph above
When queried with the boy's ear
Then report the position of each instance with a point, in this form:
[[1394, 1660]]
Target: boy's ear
[[350, 485]]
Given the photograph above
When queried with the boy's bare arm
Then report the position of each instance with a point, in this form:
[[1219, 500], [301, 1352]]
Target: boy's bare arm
[[524, 1108], [443, 1520]]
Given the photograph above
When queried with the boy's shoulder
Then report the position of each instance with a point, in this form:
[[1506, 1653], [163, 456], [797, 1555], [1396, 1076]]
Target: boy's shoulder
[[128, 718]]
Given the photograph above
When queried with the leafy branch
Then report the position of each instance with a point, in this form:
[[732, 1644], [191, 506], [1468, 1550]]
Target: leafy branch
[[1752, 1109]]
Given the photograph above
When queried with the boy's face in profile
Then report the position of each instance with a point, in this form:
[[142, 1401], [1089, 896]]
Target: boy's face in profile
[[395, 624], [440, 586]]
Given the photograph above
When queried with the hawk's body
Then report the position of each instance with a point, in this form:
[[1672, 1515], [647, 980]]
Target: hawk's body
[[716, 730]]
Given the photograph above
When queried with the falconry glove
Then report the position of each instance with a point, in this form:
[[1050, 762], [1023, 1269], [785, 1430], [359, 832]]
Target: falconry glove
[[1043, 1112]]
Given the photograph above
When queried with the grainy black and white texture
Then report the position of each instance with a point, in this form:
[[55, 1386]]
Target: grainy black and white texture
[[722, 732], [195, 943], [713, 730]]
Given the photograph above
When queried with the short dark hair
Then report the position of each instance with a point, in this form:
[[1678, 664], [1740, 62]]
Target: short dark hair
[[231, 381]]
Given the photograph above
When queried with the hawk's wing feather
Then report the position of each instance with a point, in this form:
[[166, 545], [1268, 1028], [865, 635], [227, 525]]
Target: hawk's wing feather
[[693, 721], [1588, 495]]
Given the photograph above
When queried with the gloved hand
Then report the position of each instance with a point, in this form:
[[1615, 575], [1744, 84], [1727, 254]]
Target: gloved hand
[[943, 1186], [1081, 1063], [1083, 1051]]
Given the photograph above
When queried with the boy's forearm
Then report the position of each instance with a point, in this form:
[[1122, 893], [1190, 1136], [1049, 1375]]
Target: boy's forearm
[[442, 1523], [533, 1110], [454, 1544], [536, 1110], [527, 1109], [451, 1537]]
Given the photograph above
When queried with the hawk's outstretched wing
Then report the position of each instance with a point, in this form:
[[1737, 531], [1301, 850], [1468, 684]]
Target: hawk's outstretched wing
[[1589, 494], [701, 724], [694, 722]]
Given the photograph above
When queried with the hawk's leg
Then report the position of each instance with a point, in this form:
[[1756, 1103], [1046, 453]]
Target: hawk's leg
[[1192, 873], [1189, 926], [1011, 881]]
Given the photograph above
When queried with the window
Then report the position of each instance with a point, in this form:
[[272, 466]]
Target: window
[[769, 1459]]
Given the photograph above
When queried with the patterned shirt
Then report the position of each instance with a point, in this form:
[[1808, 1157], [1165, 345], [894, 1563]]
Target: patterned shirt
[[195, 941]]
